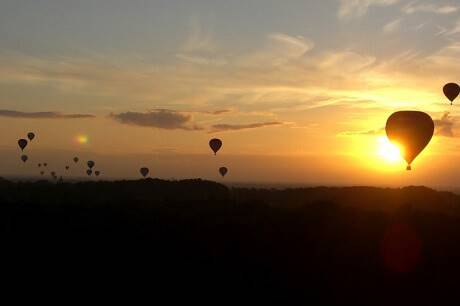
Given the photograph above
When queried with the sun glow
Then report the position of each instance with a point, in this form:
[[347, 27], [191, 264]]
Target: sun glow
[[82, 139], [387, 151]]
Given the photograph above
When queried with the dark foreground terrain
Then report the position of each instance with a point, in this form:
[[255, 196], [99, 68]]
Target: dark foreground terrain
[[199, 242]]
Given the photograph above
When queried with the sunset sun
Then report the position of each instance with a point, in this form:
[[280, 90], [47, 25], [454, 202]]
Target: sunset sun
[[387, 151]]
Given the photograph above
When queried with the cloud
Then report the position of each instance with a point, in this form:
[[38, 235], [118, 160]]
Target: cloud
[[41, 115], [238, 127], [199, 39], [392, 26], [349, 9], [161, 119], [362, 133], [416, 7], [445, 125]]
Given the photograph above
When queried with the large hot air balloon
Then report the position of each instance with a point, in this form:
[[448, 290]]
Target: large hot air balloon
[[223, 171], [97, 173], [144, 171], [22, 144], [90, 164], [89, 172], [24, 158], [75, 159], [215, 145], [451, 90], [412, 130], [31, 136]]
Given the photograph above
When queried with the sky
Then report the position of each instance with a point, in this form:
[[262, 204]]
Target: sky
[[299, 91]]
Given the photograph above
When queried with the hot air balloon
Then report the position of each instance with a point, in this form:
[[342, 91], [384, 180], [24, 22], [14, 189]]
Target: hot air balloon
[[53, 174], [24, 158], [451, 91], [31, 136], [22, 144], [67, 167], [413, 130], [89, 172], [215, 145], [223, 171], [39, 165], [42, 172], [144, 171], [45, 164], [75, 159], [97, 173], [90, 164]]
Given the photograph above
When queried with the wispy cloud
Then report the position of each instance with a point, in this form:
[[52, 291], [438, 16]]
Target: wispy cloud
[[200, 39], [42, 115], [349, 9], [417, 7], [392, 26], [362, 133], [238, 127], [445, 125], [161, 119]]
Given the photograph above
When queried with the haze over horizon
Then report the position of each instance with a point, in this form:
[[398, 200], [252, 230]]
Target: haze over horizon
[[299, 91]]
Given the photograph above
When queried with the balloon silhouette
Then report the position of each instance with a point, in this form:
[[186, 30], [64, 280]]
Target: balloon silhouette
[[67, 167], [75, 159], [144, 171], [22, 144], [413, 130], [97, 173], [31, 136], [90, 164], [215, 145], [39, 165], [451, 91], [42, 172], [45, 164], [53, 174], [89, 172], [223, 171], [24, 158]]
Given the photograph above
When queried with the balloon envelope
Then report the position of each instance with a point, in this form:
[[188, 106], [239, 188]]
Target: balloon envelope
[[90, 164], [412, 130], [75, 159], [223, 171], [45, 164], [89, 172], [67, 167], [30, 135], [22, 144], [97, 173], [215, 145], [451, 90], [24, 158], [144, 171]]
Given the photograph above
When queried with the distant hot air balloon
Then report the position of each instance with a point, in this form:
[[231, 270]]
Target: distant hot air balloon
[[144, 171], [451, 90], [24, 158], [67, 167], [90, 164], [31, 136], [89, 172], [223, 171], [75, 159], [413, 130], [215, 145], [42, 172], [97, 173], [39, 165], [53, 174], [22, 144], [45, 164]]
